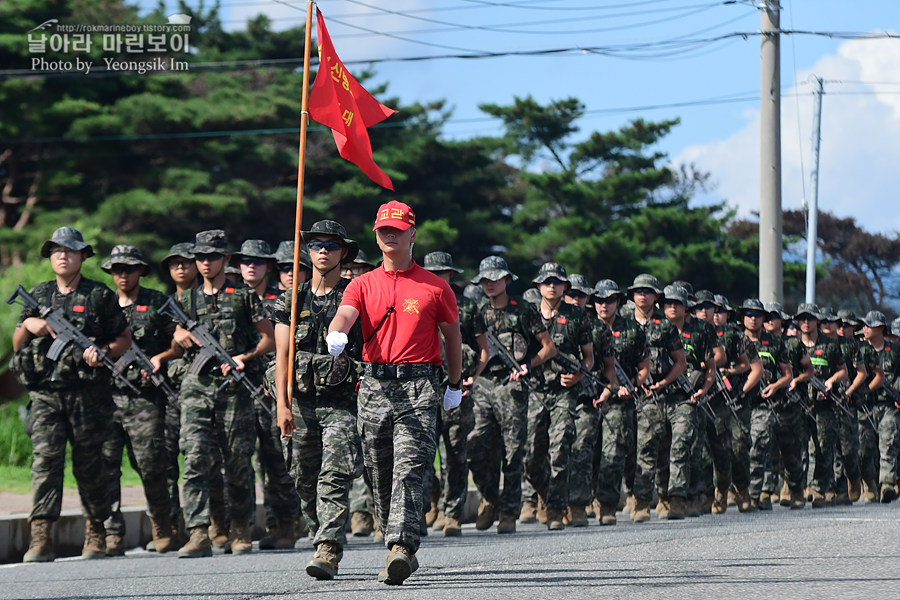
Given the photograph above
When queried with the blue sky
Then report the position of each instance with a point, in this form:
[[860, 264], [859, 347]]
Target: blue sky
[[655, 59]]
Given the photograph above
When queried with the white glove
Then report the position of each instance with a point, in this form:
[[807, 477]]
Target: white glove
[[452, 398], [336, 341]]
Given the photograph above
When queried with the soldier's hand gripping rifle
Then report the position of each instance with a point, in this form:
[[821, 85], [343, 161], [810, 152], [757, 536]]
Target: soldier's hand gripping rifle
[[209, 349], [648, 394], [572, 365], [725, 388], [832, 395], [136, 356], [66, 334], [495, 348]]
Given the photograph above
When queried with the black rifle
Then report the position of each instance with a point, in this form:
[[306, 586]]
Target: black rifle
[[647, 396], [136, 356], [209, 349], [725, 388], [573, 365], [835, 397], [66, 334], [495, 348], [800, 400]]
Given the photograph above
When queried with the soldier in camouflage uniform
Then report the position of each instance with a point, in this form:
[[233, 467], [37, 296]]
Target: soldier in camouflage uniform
[[864, 401], [213, 411], [69, 399], [284, 264], [551, 407], [616, 429], [498, 441], [455, 426], [828, 364], [886, 404], [666, 423], [139, 420], [402, 309], [321, 416], [280, 500]]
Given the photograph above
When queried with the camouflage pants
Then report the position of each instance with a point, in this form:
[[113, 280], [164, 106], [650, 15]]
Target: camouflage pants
[[699, 456], [740, 447], [717, 459], [453, 429], [361, 499], [210, 420], [80, 416], [551, 428], [846, 450], [327, 458], [497, 443], [138, 425], [822, 440], [279, 493], [788, 440], [396, 421], [581, 459], [664, 441], [616, 439], [869, 459], [761, 421], [887, 416]]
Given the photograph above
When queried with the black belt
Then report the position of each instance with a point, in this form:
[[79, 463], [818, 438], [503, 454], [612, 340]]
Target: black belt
[[401, 371]]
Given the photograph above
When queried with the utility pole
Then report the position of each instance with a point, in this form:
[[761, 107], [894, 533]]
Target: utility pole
[[771, 271], [812, 224]]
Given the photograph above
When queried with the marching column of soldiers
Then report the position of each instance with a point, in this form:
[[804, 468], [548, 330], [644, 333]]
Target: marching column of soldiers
[[573, 402]]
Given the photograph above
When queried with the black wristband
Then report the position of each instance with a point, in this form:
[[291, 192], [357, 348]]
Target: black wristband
[[454, 386]]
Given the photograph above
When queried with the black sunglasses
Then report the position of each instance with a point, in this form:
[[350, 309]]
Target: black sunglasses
[[211, 257], [125, 269], [327, 246], [753, 314], [252, 260], [286, 267]]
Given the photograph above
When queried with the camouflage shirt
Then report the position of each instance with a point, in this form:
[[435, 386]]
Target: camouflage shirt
[[470, 327], [630, 344], [826, 357], [699, 339], [663, 339], [150, 331], [889, 360], [773, 353], [516, 326], [570, 329]]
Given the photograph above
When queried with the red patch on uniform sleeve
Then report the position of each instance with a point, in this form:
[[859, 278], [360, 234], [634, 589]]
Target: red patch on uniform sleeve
[[887, 348], [765, 342], [819, 353], [687, 334], [513, 302], [78, 308], [141, 308], [229, 290], [656, 321], [270, 296], [561, 320], [617, 334], [720, 333]]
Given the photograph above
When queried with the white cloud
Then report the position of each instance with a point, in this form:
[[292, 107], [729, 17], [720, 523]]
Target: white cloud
[[860, 142]]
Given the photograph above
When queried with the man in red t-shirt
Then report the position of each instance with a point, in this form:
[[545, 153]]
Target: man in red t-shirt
[[401, 307]]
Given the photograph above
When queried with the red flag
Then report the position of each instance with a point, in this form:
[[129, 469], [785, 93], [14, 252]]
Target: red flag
[[338, 101]]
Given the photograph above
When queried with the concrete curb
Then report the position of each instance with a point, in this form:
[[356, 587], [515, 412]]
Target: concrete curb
[[68, 531]]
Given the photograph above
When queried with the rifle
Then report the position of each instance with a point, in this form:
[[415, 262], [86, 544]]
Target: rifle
[[210, 348], [495, 348], [66, 333], [647, 396], [136, 356], [573, 365], [725, 388], [819, 386]]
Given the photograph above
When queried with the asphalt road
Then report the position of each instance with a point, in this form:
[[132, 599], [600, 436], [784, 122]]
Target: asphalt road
[[842, 553]]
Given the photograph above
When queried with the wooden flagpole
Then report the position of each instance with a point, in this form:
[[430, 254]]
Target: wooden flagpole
[[298, 221]]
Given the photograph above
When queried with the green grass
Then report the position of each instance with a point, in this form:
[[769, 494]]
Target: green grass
[[15, 455]]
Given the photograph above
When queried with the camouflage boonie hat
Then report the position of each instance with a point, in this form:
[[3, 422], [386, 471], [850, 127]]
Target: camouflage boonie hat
[[849, 317], [704, 297], [875, 318], [230, 269], [439, 261], [828, 315], [181, 250], [722, 302], [125, 254], [687, 287], [334, 228], [362, 259], [807, 309], [675, 293], [532, 296], [579, 283], [475, 293], [492, 268], [606, 288], [551, 269], [67, 237], [284, 255], [752, 304], [645, 280], [254, 249], [777, 309], [210, 242]]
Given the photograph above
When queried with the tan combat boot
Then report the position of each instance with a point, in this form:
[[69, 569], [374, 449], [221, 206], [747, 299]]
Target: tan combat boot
[[842, 499], [818, 499], [629, 503], [677, 508], [528, 514], [830, 498], [798, 499], [720, 502], [742, 499], [785, 496], [577, 516], [888, 493], [506, 523], [115, 545], [41, 547], [94, 540], [284, 535], [662, 509], [607, 514], [542, 510], [640, 513], [555, 519], [441, 520], [853, 489], [198, 546], [377, 533], [218, 531], [324, 563], [161, 530], [765, 501], [870, 491], [431, 515], [486, 514], [239, 537], [452, 527], [361, 524]]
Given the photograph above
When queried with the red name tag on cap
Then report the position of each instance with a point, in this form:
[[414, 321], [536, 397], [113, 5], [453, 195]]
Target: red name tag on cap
[[78, 308], [141, 308]]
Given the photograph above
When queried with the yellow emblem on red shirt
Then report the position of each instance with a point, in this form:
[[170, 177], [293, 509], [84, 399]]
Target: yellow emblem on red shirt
[[411, 305]]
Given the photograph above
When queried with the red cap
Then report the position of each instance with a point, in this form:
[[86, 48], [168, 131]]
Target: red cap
[[395, 214]]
